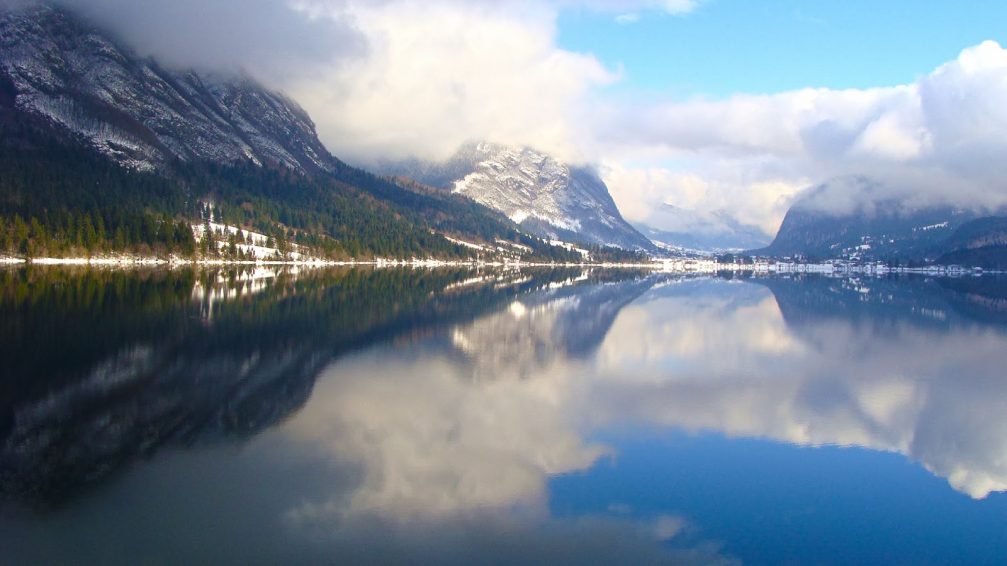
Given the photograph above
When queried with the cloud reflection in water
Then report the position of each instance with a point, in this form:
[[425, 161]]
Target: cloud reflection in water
[[443, 444]]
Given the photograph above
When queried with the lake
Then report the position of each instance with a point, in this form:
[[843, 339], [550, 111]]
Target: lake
[[258, 416]]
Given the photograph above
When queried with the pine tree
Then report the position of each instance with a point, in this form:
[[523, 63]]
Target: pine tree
[[89, 234], [20, 235], [232, 245], [186, 240], [207, 244], [119, 240]]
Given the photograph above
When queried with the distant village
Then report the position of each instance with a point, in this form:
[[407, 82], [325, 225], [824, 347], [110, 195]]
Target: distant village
[[730, 262]]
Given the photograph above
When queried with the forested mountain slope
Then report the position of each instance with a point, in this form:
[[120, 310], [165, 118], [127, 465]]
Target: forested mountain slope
[[102, 150]]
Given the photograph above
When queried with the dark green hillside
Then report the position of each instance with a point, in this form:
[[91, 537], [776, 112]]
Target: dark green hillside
[[979, 233], [987, 257], [59, 197], [980, 243]]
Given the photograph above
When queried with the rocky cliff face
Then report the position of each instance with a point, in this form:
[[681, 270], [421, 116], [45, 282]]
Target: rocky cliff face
[[68, 74], [544, 195]]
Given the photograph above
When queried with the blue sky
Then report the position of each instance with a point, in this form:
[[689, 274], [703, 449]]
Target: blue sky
[[743, 46]]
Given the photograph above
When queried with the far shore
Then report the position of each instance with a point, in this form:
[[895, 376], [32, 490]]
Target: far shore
[[673, 265], [139, 261]]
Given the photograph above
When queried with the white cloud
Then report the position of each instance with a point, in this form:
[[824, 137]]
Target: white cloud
[[441, 73], [753, 192], [629, 18]]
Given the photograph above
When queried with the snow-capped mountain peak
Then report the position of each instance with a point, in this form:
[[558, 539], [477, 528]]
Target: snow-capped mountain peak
[[523, 184], [544, 195]]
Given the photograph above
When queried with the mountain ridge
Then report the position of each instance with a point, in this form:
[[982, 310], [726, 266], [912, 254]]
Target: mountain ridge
[[67, 71], [545, 196], [980, 243], [851, 218]]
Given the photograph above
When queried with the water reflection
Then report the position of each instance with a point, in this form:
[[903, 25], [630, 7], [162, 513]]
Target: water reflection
[[886, 365], [386, 416], [107, 367], [438, 433]]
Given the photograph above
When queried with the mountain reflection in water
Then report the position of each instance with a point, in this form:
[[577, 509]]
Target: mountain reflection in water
[[398, 415]]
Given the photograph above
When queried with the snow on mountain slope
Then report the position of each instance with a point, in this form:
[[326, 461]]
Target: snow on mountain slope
[[70, 74], [545, 196]]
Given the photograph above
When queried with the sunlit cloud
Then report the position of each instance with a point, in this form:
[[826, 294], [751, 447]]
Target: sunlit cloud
[[441, 73]]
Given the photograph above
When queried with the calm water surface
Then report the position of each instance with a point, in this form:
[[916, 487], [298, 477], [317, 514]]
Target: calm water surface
[[362, 416]]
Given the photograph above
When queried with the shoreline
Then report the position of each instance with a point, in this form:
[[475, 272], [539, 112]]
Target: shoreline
[[665, 265], [130, 261]]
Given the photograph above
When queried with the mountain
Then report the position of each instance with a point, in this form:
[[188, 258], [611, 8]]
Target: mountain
[[980, 243], [698, 231], [102, 150], [851, 217], [142, 115], [980, 233], [545, 196]]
